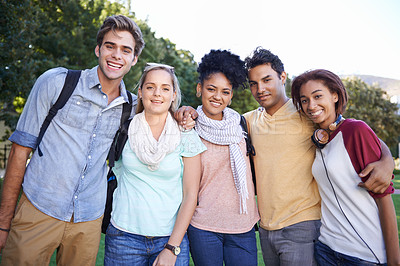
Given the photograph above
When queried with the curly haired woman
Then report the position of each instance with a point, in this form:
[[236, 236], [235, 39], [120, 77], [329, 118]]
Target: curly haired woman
[[222, 227]]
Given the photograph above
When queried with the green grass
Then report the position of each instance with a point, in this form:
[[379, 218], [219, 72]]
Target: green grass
[[396, 180]]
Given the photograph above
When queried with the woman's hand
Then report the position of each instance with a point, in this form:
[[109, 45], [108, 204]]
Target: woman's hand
[[165, 258]]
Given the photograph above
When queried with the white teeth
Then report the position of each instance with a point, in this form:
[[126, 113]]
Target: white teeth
[[316, 113], [114, 65], [216, 104]]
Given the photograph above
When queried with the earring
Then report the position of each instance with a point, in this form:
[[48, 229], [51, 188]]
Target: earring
[[198, 94]]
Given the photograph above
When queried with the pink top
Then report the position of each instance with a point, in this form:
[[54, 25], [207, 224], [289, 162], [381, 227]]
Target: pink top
[[218, 203]]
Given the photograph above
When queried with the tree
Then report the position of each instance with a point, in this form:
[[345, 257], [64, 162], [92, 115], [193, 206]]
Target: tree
[[372, 105], [243, 101], [17, 64], [161, 50], [40, 34]]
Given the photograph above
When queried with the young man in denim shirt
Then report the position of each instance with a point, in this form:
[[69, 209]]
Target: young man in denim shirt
[[64, 191]]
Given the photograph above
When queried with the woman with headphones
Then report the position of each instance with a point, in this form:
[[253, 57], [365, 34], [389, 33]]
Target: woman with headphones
[[358, 227]]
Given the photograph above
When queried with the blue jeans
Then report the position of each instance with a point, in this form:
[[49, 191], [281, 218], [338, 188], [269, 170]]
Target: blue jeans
[[291, 245], [324, 255], [122, 248], [210, 248]]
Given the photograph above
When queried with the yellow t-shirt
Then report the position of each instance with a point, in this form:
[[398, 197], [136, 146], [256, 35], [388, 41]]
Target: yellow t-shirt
[[286, 190]]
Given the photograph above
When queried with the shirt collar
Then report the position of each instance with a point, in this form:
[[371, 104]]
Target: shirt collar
[[94, 83]]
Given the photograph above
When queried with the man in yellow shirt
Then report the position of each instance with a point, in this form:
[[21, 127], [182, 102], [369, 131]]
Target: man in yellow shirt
[[287, 194]]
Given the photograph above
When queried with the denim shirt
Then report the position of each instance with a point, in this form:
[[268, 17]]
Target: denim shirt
[[69, 180]]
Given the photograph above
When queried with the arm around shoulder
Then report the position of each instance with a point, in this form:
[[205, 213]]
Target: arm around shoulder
[[381, 172]]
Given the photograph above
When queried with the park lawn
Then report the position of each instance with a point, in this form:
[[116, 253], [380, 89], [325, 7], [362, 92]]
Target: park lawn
[[396, 180]]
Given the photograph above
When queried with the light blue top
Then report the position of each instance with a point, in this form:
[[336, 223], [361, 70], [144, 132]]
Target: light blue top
[[70, 178], [146, 202]]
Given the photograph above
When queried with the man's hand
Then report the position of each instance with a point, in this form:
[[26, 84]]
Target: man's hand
[[379, 179], [186, 116], [381, 172]]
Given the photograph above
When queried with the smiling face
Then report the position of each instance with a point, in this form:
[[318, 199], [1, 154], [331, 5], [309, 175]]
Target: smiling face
[[157, 92], [116, 55], [216, 94], [318, 103], [268, 87]]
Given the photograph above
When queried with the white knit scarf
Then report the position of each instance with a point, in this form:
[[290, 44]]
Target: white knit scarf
[[150, 151], [227, 132]]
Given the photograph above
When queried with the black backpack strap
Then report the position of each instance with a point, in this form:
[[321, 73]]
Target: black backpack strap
[[249, 146], [69, 86], [122, 134], [250, 149], [113, 155], [250, 152]]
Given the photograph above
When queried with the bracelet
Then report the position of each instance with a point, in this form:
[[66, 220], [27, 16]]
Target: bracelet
[[5, 230]]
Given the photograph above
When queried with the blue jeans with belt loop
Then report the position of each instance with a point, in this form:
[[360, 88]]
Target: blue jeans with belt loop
[[122, 248]]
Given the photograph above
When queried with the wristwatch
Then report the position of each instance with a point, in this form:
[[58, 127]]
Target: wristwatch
[[174, 249]]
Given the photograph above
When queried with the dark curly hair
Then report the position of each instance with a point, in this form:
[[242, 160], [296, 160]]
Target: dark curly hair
[[262, 56], [223, 61]]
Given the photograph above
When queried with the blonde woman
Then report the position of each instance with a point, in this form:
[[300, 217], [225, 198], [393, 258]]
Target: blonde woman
[[158, 178]]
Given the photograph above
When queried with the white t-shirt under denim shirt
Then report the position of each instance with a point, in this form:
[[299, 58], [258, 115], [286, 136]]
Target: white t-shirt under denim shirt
[[146, 202]]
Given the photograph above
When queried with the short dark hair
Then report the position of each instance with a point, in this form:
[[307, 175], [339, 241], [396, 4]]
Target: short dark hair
[[122, 23], [223, 61], [329, 79], [262, 56]]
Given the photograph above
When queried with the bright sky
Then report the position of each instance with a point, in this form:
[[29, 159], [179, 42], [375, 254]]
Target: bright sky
[[344, 36]]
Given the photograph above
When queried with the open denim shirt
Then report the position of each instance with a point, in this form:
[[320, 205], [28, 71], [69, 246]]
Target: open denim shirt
[[69, 180]]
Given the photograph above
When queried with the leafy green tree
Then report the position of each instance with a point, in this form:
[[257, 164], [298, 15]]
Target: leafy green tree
[[288, 86], [37, 35], [372, 105], [161, 50], [40, 34], [243, 101], [17, 63]]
